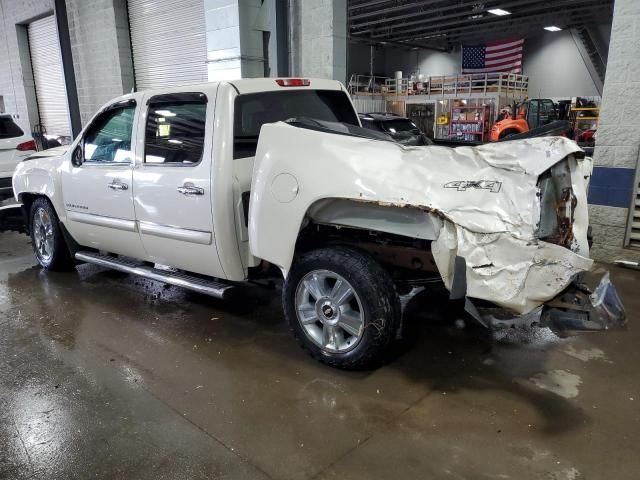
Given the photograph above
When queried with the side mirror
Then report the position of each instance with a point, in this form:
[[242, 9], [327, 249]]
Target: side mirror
[[77, 157]]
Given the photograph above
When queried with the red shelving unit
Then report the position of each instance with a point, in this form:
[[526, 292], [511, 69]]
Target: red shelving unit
[[469, 124]]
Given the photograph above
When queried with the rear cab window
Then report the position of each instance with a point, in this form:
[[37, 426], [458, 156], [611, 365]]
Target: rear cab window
[[175, 129], [8, 128], [255, 109]]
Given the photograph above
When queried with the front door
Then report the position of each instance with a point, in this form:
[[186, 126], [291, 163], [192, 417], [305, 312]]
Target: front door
[[97, 186], [172, 183]]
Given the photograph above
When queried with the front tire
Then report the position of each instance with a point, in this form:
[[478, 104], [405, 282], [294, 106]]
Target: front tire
[[46, 237], [342, 307]]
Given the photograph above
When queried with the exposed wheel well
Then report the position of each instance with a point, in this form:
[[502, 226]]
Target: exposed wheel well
[[408, 260]]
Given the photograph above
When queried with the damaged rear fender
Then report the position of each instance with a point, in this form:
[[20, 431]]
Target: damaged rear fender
[[482, 204]]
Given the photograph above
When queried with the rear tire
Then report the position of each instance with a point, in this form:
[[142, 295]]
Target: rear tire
[[342, 307], [47, 240]]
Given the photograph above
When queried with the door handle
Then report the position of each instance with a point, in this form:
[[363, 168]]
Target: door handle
[[117, 185], [189, 189]]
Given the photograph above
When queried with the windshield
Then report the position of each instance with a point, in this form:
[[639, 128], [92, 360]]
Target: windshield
[[399, 125], [8, 129], [255, 109]]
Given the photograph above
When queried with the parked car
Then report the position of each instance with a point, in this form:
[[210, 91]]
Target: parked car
[[236, 181], [400, 129], [15, 146]]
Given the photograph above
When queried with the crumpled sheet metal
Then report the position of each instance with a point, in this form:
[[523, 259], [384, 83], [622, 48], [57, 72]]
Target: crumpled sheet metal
[[485, 198], [516, 274]]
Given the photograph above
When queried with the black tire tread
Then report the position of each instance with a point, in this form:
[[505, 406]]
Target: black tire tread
[[382, 300]]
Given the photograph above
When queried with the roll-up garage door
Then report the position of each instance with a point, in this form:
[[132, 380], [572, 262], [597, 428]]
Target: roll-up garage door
[[168, 40], [46, 62]]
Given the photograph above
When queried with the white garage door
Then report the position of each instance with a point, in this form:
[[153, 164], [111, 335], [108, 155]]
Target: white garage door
[[46, 62], [169, 44]]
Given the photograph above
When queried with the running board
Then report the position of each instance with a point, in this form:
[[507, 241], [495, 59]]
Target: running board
[[190, 282]]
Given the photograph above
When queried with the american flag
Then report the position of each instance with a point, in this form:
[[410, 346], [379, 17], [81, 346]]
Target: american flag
[[505, 56]]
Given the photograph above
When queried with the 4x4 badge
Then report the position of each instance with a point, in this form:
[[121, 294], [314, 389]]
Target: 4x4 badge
[[464, 185]]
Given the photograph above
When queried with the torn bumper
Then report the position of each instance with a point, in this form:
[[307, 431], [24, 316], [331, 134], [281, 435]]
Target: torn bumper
[[576, 309]]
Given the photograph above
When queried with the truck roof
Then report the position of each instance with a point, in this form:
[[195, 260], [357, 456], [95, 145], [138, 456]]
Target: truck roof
[[254, 85]]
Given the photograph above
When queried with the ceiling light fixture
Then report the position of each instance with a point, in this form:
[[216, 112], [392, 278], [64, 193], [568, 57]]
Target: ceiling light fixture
[[552, 28], [499, 11]]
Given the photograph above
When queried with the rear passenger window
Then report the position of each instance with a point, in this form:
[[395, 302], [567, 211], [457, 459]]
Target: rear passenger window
[[8, 129], [174, 134]]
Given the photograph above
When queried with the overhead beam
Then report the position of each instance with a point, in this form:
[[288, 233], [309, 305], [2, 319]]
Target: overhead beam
[[421, 46], [433, 14], [367, 3], [520, 29], [492, 34], [490, 23], [560, 6], [396, 8]]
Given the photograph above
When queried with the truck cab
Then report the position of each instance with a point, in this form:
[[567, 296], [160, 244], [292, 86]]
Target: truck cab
[[165, 175], [528, 115]]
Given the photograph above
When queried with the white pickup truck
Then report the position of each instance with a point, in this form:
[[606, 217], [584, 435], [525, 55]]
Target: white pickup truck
[[233, 181]]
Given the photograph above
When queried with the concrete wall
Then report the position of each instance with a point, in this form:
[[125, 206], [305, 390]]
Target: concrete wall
[[223, 39], [235, 38], [101, 49], [99, 35], [19, 95], [555, 68], [426, 62], [256, 18], [319, 38], [616, 156]]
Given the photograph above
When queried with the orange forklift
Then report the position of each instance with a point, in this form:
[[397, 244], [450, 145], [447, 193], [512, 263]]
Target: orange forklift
[[530, 116]]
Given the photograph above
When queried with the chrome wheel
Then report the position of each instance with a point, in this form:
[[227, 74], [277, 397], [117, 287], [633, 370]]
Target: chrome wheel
[[329, 311], [43, 239]]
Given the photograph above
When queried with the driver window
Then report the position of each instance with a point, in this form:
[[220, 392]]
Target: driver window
[[109, 138], [547, 111]]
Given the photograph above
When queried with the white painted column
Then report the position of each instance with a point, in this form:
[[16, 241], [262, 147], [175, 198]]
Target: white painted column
[[319, 38], [615, 178]]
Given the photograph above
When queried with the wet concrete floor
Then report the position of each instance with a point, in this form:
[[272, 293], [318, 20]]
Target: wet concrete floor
[[103, 375]]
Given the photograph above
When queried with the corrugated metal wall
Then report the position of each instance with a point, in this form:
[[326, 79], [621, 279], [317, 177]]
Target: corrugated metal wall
[[368, 105], [46, 62], [168, 40]]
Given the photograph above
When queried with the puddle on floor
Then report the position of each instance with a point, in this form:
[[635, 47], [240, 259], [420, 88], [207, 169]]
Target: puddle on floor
[[586, 354], [559, 382]]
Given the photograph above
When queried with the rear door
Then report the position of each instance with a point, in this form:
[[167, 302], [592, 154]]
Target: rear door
[[172, 182]]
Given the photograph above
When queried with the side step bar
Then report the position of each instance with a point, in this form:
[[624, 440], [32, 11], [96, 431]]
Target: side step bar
[[190, 282]]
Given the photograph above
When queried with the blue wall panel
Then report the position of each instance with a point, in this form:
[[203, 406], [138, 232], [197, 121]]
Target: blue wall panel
[[612, 187]]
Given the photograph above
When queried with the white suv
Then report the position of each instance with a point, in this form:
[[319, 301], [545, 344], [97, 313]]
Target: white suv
[[15, 146]]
